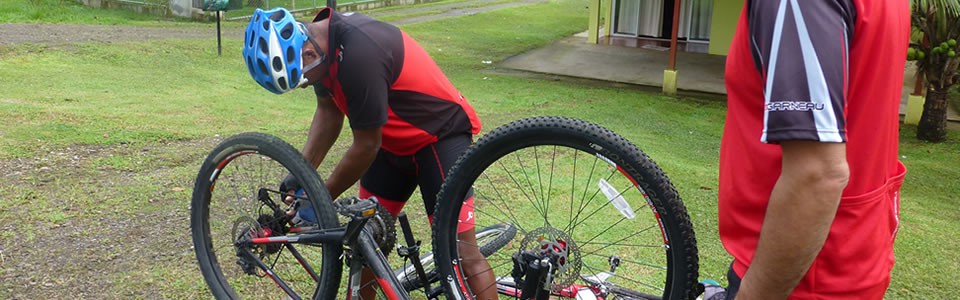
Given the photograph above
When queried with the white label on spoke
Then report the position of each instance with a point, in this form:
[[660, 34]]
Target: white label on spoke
[[617, 199], [604, 158]]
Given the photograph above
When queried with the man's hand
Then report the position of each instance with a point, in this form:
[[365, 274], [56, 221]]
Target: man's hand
[[289, 186]]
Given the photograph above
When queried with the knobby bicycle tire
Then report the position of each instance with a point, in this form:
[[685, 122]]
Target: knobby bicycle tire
[[284, 154], [679, 241]]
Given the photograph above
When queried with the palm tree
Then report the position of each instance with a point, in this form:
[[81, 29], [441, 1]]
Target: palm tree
[[937, 62]]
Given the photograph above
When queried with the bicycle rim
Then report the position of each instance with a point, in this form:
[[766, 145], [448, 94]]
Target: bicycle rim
[[235, 199], [578, 193]]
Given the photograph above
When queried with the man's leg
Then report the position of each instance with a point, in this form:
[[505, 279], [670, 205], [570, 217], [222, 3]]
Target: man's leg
[[433, 162], [479, 274], [733, 283]]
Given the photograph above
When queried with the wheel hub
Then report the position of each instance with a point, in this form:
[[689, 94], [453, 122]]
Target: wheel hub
[[560, 248]]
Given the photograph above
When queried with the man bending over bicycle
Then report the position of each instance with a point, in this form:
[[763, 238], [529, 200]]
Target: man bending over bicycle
[[409, 122]]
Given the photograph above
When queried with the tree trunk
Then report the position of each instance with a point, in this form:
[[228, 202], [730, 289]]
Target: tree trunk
[[933, 121]]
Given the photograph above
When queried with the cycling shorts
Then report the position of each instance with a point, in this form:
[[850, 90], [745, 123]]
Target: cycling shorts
[[393, 178]]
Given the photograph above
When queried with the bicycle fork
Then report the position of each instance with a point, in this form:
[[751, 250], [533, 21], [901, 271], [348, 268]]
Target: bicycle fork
[[532, 272]]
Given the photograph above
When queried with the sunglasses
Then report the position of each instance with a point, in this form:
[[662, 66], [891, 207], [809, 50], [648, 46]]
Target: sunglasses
[[314, 64]]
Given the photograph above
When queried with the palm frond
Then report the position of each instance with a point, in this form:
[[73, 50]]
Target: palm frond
[[949, 6]]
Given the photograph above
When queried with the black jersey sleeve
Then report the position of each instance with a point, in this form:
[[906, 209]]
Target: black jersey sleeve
[[801, 49], [365, 77]]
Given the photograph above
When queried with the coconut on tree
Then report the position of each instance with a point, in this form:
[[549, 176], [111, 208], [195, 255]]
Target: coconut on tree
[[935, 52]]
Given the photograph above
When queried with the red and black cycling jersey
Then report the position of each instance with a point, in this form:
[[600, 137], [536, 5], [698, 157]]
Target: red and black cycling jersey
[[380, 77]]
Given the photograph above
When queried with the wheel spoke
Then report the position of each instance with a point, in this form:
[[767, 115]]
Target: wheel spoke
[[553, 162], [499, 196], [615, 224], [585, 189], [519, 186], [573, 188], [595, 211], [544, 196], [479, 197], [540, 209]]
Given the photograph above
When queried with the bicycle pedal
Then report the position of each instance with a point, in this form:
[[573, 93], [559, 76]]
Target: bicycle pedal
[[354, 207]]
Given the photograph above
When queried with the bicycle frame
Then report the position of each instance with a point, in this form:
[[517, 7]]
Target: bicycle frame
[[366, 253]]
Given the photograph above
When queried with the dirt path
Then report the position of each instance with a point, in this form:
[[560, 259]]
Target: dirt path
[[11, 34], [75, 228], [464, 11], [55, 34]]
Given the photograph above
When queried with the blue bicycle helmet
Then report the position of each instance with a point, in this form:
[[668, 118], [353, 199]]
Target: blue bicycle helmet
[[271, 49]]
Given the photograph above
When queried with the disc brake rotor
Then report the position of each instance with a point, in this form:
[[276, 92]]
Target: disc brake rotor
[[560, 247]]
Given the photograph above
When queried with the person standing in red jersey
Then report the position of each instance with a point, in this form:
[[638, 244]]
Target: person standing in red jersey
[[809, 170]]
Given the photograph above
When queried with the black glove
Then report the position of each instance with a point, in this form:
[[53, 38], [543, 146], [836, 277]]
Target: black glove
[[289, 184]]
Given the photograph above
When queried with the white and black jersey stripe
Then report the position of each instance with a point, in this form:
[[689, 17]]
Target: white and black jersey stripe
[[801, 50]]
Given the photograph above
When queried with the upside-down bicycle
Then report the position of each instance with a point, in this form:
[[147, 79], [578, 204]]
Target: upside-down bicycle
[[567, 209]]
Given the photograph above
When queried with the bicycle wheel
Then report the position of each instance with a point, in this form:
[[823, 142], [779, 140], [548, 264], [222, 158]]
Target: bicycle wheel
[[576, 192], [490, 239], [235, 200]]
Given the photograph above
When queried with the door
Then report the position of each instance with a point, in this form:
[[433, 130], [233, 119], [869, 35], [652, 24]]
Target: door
[[695, 19], [638, 17]]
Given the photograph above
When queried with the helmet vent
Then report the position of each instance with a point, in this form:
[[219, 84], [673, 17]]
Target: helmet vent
[[278, 15], [277, 64], [263, 46], [272, 45], [263, 68], [287, 31]]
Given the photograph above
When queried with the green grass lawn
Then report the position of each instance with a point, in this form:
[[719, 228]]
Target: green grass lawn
[[149, 109]]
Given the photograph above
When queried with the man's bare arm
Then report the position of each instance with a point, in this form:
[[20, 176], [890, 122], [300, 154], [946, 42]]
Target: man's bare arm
[[366, 144], [802, 207], [324, 130]]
